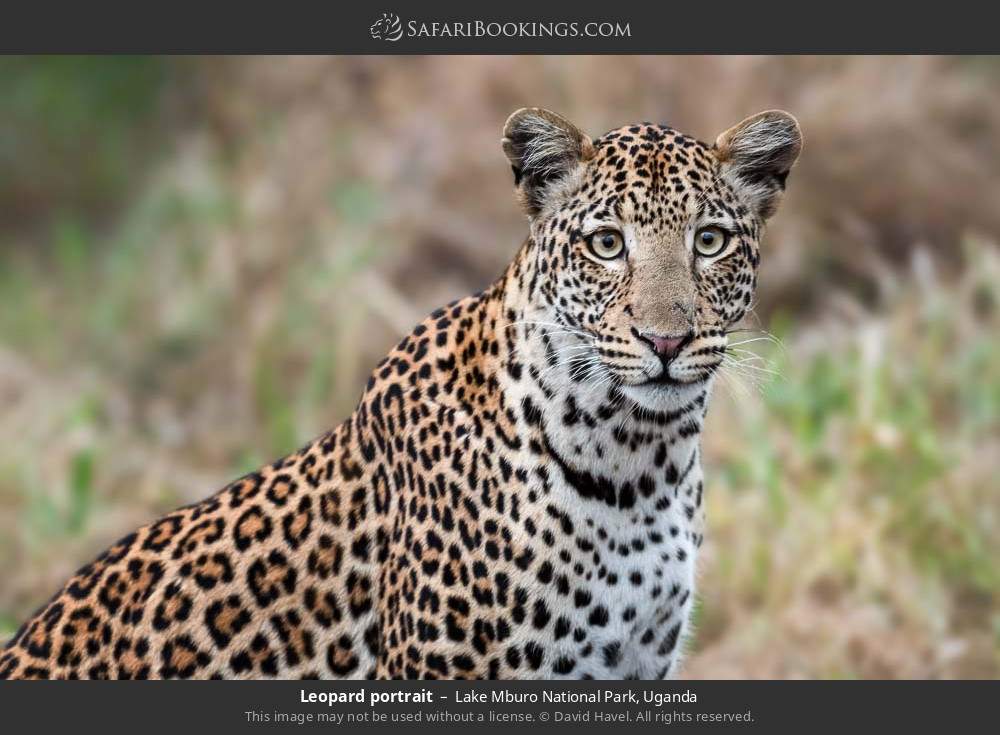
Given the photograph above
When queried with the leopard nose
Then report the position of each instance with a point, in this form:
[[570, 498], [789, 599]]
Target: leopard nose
[[666, 346]]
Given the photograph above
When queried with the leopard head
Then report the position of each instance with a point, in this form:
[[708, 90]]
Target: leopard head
[[644, 243]]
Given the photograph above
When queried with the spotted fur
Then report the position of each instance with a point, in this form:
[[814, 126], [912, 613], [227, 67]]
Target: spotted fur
[[518, 493]]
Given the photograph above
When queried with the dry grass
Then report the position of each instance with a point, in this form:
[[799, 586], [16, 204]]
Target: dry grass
[[199, 279]]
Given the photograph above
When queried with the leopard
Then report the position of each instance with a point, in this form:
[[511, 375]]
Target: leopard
[[518, 493]]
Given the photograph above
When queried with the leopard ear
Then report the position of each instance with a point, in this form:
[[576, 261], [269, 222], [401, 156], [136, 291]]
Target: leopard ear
[[542, 148], [756, 156]]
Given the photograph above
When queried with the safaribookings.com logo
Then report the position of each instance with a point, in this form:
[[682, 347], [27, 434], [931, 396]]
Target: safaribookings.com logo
[[387, 28], [390, 28]]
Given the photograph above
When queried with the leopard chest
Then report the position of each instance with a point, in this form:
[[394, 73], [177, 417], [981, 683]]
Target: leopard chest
[[612, 587]]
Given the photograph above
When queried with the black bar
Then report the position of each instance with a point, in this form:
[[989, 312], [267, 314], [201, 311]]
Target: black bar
[[311, 26], [696, 706]]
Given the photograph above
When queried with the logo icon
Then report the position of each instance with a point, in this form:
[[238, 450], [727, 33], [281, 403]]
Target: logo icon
[[387, 28]]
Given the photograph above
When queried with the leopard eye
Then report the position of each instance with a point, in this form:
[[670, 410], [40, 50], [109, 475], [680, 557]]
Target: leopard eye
[[709, 241], [606, 244]]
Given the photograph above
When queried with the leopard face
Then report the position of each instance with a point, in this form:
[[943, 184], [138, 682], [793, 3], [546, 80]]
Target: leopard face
[[647, 239]]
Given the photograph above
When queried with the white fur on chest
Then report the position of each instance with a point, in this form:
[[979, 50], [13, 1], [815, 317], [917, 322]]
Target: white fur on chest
[[630, 558], [641, 570]]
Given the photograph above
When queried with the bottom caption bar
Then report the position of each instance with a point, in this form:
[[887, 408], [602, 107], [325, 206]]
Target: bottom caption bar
[[533, 706]]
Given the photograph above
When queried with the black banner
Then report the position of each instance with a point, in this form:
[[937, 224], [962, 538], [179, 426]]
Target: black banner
[[418, 707], [451, 27]]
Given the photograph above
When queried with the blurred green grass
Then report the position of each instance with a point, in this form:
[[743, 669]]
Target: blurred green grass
[[200, 260], [73, 130]]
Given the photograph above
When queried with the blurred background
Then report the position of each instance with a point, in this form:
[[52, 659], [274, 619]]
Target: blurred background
[[202, 258]]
